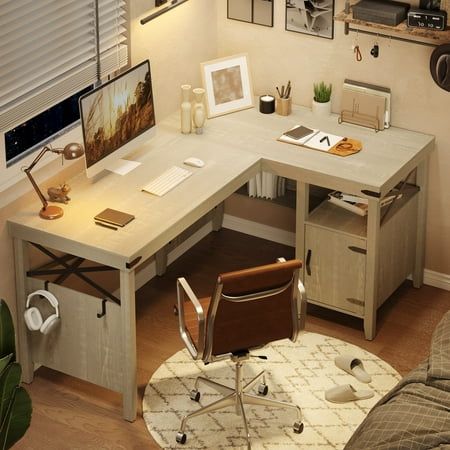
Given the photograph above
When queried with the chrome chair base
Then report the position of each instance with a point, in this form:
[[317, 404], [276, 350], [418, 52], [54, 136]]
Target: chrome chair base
[[237, 397]]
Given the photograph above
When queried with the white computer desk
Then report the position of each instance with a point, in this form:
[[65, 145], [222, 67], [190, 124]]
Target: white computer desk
[[234, 147]]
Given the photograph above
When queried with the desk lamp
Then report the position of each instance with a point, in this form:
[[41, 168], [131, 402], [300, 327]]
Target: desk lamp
[[70, 151]]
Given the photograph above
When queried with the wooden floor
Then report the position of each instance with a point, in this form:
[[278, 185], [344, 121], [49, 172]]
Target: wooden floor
[[72, 414]]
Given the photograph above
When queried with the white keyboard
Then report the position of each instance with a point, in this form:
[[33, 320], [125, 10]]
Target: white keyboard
[[166, 181]]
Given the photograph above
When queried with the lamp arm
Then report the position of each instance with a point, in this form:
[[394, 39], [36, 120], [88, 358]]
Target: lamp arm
[[39, 157], [36, 188], [28, 172]]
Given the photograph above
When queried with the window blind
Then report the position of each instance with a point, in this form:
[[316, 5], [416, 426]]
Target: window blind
[[51, 49]]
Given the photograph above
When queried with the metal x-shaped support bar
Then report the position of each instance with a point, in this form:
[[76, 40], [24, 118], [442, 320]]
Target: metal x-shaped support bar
[[69, 269]]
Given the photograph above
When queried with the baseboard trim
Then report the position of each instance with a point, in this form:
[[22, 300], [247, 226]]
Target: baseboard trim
[[431, 278], [436, 279]]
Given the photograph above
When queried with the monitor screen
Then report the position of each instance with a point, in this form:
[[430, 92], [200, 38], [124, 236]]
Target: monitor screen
[[114, 115]]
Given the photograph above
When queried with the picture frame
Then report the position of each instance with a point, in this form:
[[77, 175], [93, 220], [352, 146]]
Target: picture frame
[[258, 12], [228, 85], [313, 17]]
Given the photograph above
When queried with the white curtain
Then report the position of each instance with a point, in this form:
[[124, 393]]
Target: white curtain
[[51, 49]]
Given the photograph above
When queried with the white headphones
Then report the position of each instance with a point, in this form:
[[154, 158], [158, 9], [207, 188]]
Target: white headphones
[[33, 317]]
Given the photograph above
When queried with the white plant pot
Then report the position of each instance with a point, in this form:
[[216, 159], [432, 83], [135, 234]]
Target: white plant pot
[[321, 109]]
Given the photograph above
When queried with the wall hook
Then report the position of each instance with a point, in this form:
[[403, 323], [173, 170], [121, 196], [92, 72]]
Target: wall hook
[[100, 315]]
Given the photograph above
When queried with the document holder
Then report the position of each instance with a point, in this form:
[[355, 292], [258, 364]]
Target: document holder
[[363, 109]]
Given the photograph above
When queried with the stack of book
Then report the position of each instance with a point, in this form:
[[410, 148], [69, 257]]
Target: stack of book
[[355, 204]]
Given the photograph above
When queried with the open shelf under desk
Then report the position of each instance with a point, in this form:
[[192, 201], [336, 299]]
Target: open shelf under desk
[[328, 215], [422, 36], [317, 195]]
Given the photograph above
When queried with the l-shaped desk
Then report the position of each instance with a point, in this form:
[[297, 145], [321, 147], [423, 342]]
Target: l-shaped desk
[[235, 148]]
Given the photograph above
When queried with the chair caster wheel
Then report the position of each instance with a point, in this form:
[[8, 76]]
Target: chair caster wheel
[[195, 395], [181, 437], [263, 389], [298, 427]]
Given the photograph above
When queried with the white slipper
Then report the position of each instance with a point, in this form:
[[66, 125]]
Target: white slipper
[[346, 393], [353, 366]]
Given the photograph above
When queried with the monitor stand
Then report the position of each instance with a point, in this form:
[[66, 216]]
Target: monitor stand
[[122, 166]]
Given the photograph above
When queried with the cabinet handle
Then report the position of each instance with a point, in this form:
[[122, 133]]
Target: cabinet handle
[[357, 249], [308, 260], [355, 301]]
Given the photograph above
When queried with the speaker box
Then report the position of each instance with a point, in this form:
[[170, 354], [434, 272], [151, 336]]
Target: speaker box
[[381, 11]]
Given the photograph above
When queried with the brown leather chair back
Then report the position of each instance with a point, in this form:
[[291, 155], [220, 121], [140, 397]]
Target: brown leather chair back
[[252, 307]]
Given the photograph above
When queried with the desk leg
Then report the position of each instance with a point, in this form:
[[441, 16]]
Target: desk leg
[[302, 207], [372, 270], [217, 218], [161, 261], [128, 317], [23, 338], [422, 182]]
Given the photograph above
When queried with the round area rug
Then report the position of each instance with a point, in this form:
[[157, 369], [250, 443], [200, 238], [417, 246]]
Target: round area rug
[[295, 372]]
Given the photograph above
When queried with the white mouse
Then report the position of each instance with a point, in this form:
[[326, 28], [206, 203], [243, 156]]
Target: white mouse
[[194, 162]]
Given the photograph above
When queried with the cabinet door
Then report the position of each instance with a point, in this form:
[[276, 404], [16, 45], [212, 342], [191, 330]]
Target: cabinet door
[[335, 266]]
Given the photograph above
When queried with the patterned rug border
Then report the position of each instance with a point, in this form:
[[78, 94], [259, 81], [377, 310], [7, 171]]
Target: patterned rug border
[[296, 372]]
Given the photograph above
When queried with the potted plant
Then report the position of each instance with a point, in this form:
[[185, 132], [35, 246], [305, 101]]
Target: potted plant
[[321, 103], [15, 403]]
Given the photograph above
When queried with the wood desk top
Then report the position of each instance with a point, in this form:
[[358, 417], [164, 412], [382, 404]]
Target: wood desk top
[[234, 147]]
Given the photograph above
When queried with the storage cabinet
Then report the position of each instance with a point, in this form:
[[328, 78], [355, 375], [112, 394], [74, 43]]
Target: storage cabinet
[[335, 270]]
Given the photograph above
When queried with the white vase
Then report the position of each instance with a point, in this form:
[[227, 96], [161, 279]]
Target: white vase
[[186, 109], [321, 109], [198, 111]]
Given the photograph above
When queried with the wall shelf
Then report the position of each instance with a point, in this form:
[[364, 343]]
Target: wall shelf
[[400, 32]]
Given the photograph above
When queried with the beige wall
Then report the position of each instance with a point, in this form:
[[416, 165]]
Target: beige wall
[[175, 43], [277, 55]]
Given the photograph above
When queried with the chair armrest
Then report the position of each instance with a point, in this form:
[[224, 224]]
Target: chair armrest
[[183, 290], [301, 305]]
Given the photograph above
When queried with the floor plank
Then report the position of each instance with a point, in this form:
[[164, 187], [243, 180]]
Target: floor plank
[[73, 414]]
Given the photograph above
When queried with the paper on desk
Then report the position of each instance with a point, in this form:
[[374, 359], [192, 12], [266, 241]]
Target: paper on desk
[[313, 140], [319, 141]]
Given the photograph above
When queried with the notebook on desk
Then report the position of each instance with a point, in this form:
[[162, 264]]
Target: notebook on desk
[[114, 217]]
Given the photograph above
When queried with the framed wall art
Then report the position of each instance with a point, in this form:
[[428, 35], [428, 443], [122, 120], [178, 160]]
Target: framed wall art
[[228, 85], [314, 17], [259, 12]]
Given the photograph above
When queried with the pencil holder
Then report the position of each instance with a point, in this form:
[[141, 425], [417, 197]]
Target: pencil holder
[[284, 106]]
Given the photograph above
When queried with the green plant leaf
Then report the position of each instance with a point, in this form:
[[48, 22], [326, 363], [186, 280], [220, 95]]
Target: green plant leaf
[[322, 92], [5, 361], [7, 341], [9, 380], [18, 419]]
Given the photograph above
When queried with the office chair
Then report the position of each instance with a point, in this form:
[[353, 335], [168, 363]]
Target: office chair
[[247, 310]]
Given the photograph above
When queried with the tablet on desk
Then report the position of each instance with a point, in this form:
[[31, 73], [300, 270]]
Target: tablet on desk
[[114, 217], [299, 132]]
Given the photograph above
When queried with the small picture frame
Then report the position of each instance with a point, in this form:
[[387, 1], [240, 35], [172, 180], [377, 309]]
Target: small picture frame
[[259, 12], [228, 85]]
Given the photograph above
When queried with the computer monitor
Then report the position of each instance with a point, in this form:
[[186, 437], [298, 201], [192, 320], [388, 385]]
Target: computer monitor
[[116, 119]]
